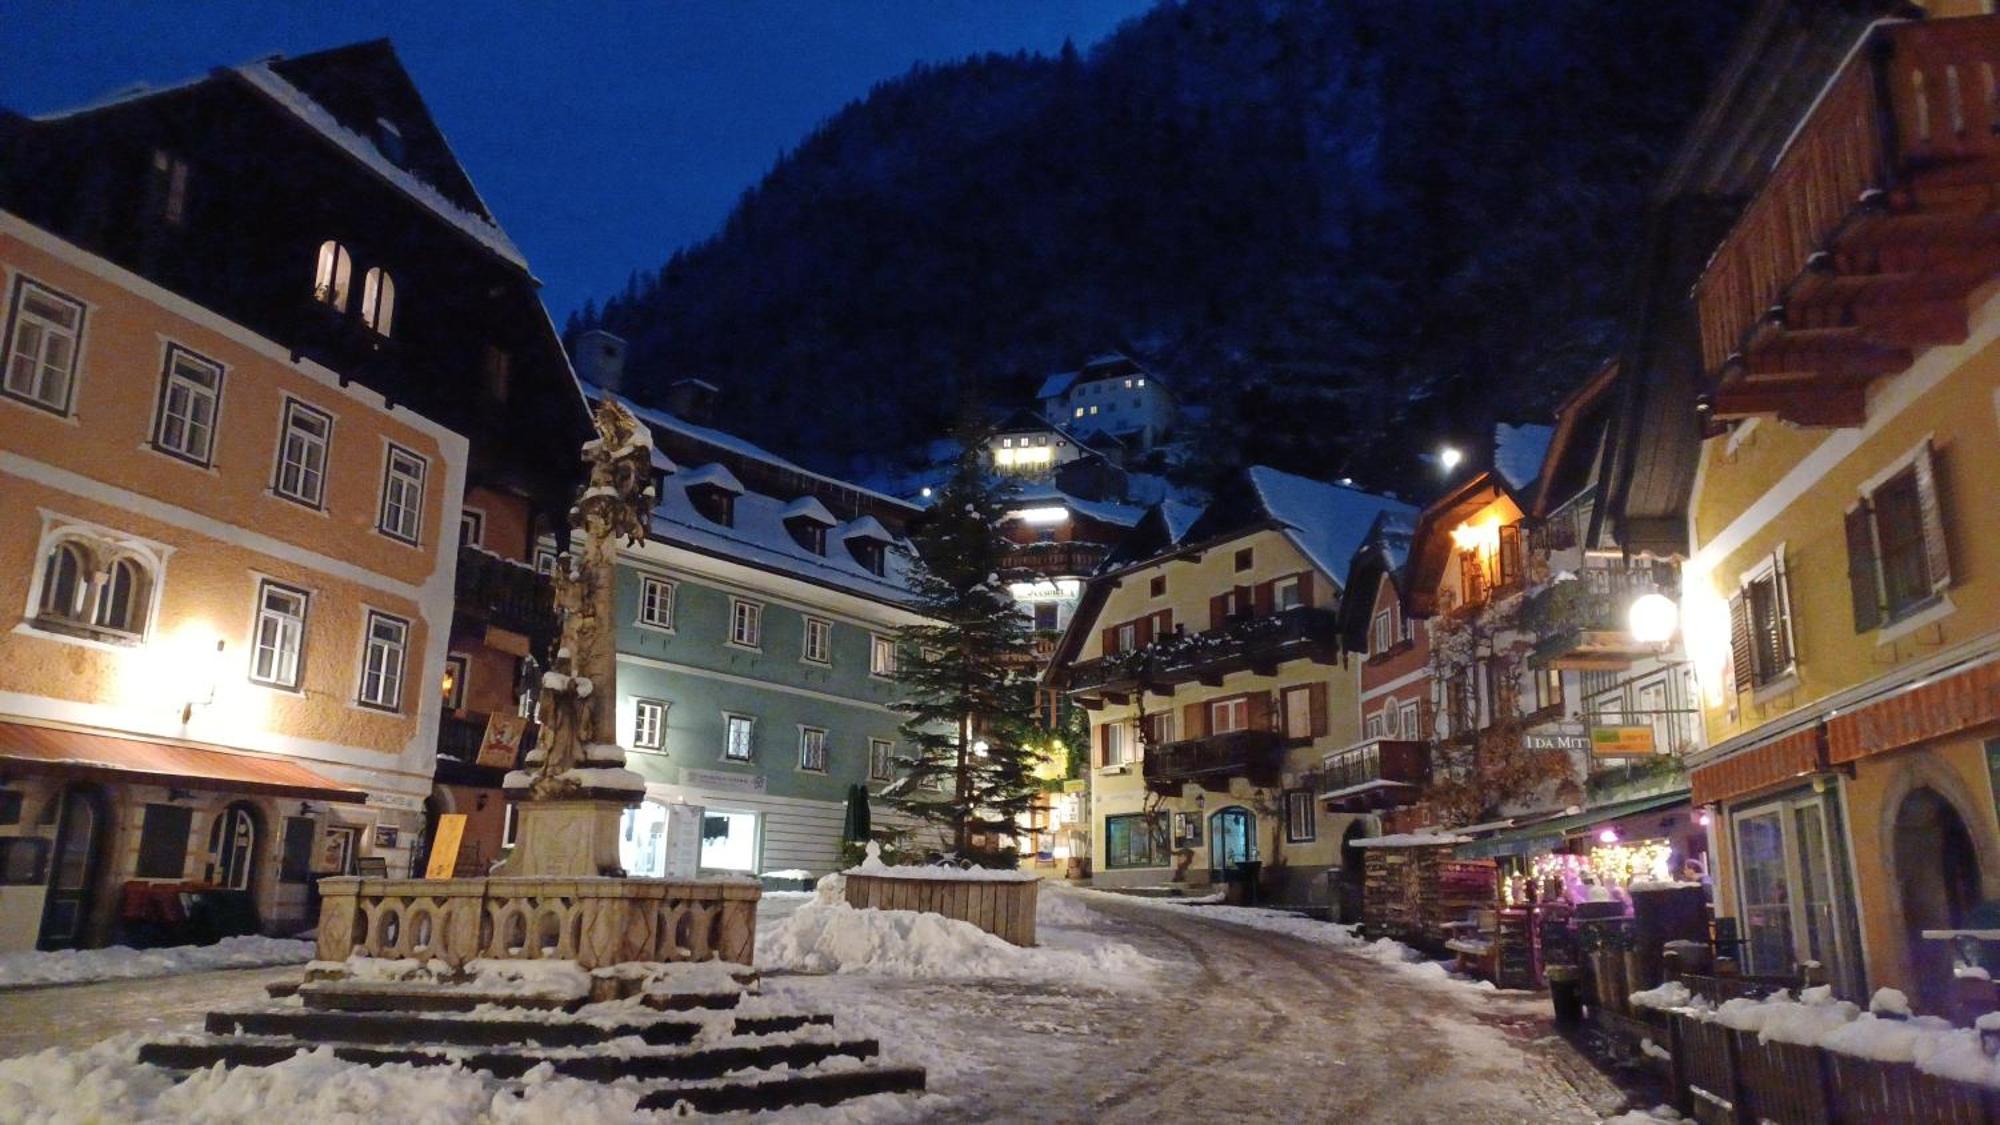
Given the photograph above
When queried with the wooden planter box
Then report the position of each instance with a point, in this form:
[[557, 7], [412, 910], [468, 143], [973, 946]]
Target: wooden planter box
[[1005, 909]]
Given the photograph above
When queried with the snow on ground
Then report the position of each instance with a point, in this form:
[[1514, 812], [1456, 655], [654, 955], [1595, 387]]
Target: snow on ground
[[75, 966]]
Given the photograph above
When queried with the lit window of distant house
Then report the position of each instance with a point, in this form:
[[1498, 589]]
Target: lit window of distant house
[[881, 759], [882, 656], [382, 661], [1079, 411], [190, 399], [649, 724], [402, 495], [656, 602], [736, 737], [302, 448], [812, 749], [457, 674], [746, 623], [818, 644], [44, 330], [1157, 588], [333, 275], [378, 300], [279, 642]]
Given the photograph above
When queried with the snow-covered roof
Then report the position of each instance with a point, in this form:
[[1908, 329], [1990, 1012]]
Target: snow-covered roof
[[758, 538], [1056, 384], [864, 527], [1179, 517], [1327, 522], [1518, 452], [1104, 511], [663, 462], [714, 474], [262, 78], [808, 508], [136, 91], [1394, 536]]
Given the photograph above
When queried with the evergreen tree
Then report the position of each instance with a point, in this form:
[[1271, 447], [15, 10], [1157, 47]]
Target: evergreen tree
[[970, 710]]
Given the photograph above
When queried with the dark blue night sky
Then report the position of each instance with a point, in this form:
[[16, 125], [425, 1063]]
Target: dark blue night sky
[[603, 135]]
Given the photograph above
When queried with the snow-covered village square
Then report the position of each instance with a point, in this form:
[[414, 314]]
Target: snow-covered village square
[[1061, 560]]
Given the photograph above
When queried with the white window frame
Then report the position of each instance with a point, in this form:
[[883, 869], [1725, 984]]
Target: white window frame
[[649, 724], [36, 392], [387, 691], [656, 602], [1376, 725], [310, 488], [1297, 800], [1381, 630], [471, 527], [1121, 745], [1228, 706], [545, 559], [746, 624], [813, 740], [881, 760], [1293, 585], [182, 399], [881, 656], [1409, 715], [99, 546], [821, 630], [284, 624], [400, 516], [731, 722], [378, 301]]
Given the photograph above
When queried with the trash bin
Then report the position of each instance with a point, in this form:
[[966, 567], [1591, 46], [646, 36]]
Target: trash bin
[[1246, 876], [1566, 993]]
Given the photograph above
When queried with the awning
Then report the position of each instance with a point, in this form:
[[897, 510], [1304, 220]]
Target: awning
[[109, 758], [1787, 756], [1548, 835], [1930, 708]]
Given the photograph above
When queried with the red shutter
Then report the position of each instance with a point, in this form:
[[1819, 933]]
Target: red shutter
[[1306, 588], [1937, 560], [1142, 631], [1104, 744], [1111, 640], [1218, 611], [1739, 642], [1194, 721], [1316, 700], [1265, 599], [1163, 623], [1863, 569], [1258, 704]]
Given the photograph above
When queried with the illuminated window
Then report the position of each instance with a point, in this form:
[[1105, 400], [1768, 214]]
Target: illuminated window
[[302, 454], [656, 602], [737, 731], [457, 674], [278, 641], [882, 656], [190, 399], [42, 337], [378, 300], [812, 749], [649, 724], [382, 661], [335, 273]]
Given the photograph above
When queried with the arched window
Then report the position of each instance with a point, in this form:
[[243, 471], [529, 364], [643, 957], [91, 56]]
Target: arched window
[[232, 848], [378, 300], [336, 269], [64, 581], [120, 598]]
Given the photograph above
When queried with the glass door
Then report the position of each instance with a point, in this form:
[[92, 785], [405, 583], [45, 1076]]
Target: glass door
[[1765, 881], [1232, 838], [1820, 909]]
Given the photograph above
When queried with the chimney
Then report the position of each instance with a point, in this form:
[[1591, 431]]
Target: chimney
[[692, 400], [599, 357]]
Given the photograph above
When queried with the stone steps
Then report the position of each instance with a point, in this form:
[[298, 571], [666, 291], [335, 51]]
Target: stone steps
[[373, 996], [828, 1087], [407, 1028]]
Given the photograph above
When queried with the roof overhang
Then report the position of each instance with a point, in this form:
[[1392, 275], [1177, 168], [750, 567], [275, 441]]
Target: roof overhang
[[106, 757]]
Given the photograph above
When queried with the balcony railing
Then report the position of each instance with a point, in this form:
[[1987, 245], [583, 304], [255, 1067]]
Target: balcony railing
[[1863, 240], [1254, 643], [1256, 755], [496, 591], [1075, 559], [1377, 774], [1584, 620]]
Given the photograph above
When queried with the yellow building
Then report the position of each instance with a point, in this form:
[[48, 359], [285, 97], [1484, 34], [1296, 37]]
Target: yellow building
[[1211, 669], [227, 583], [1842, 605]]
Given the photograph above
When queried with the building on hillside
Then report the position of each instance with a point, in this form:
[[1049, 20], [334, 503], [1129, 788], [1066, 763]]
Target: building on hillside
[[757, 654], [1211, 672], [1842, 602], [1025, 444], [1111, 395], [312, 203]]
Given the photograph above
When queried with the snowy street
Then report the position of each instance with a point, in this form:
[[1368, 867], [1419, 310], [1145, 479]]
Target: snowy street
[[1208, 1020]]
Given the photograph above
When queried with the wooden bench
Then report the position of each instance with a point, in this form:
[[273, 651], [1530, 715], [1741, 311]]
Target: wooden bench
[[1474, 943]]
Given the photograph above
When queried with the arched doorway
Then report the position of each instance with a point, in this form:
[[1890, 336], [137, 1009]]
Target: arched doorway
[[1353, 872], [232, 848], [1937, 874], [1232, 838], [80, 822]]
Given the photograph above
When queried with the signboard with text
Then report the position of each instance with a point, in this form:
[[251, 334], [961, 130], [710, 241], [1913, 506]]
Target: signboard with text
[[501, 747], [1622, 742]]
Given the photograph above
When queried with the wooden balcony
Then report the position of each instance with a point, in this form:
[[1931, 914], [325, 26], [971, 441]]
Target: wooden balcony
[[1381, 773], [1258, 644], [1582, 624], [1255, 755], [1075, 559], [1878, 221], [490, 590]]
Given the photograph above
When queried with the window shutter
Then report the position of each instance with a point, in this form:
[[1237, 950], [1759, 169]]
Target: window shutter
[[1258, 704], [1194, 720], [1306, 588], [1863, 569], [1142, 632], [1111, 640], [1785, 615], [1218, 611], [1163, 624], [1264, 597], [1937, 560], [1104, 744], [1244, 601], [1739, 642], [1316, 700]]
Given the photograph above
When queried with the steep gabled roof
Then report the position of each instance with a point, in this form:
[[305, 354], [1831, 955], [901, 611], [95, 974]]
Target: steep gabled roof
[[1382, 555], [1327, 522], [1430, 541]]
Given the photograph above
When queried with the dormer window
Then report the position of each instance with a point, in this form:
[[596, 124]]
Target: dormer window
[[335, 273], [389, 140], [378, 300], [807, 520], [873, 556], [716, 505]]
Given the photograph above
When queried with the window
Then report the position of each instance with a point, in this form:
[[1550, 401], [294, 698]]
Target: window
[[471, 528], [1127, 636], [717, 505], [382, 661], [1079, 411], [1298, 713], [1760, 627], [302, 445], [496, 373], [232, 849], [881, 759], [818, 644], [746, 623], [378, 300], [1245, 556], [1160, 727], [545, 560], [1135, 840], [1376, 727], [1116, 744], [882, 656], [1157, 588], [1548, 688], [163, 841], [1047, 617], [1226, 715], [736, 737], [1410, 720], [456, 671], [812, 749], [190, 398], [508, 826], [649, 725], [1383, 634], [402, 495], [94, 588], [1288, 593], [168, 187], [44, 334], [278, 643], [1299, 826], [331, 279], [1896, 556], [389, 142], [656, 602]]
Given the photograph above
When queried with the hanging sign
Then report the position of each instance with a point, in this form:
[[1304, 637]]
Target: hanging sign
[[1559, 740], [502, 746], [444, 846], [1621, 742], [684, 823]]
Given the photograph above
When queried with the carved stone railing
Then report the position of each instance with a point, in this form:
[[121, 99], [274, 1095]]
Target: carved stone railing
[[594, 922]]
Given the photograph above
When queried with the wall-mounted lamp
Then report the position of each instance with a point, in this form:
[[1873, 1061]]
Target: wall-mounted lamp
[[201, 678], [180, 794], [1653, 619]]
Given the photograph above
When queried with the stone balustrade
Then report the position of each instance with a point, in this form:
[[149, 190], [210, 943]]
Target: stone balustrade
[[594, 922]]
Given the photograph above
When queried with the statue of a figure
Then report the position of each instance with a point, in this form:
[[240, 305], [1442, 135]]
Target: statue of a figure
[[578, 695]]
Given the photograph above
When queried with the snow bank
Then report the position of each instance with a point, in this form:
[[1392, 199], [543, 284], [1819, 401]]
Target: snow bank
[[77, 966], [833, 937], [1672, 994]]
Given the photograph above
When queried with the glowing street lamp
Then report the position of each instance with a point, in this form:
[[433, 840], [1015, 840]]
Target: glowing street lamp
[[1653, 619]]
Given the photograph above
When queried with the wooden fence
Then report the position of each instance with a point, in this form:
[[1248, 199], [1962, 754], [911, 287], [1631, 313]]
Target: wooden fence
[[1005, 909]]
